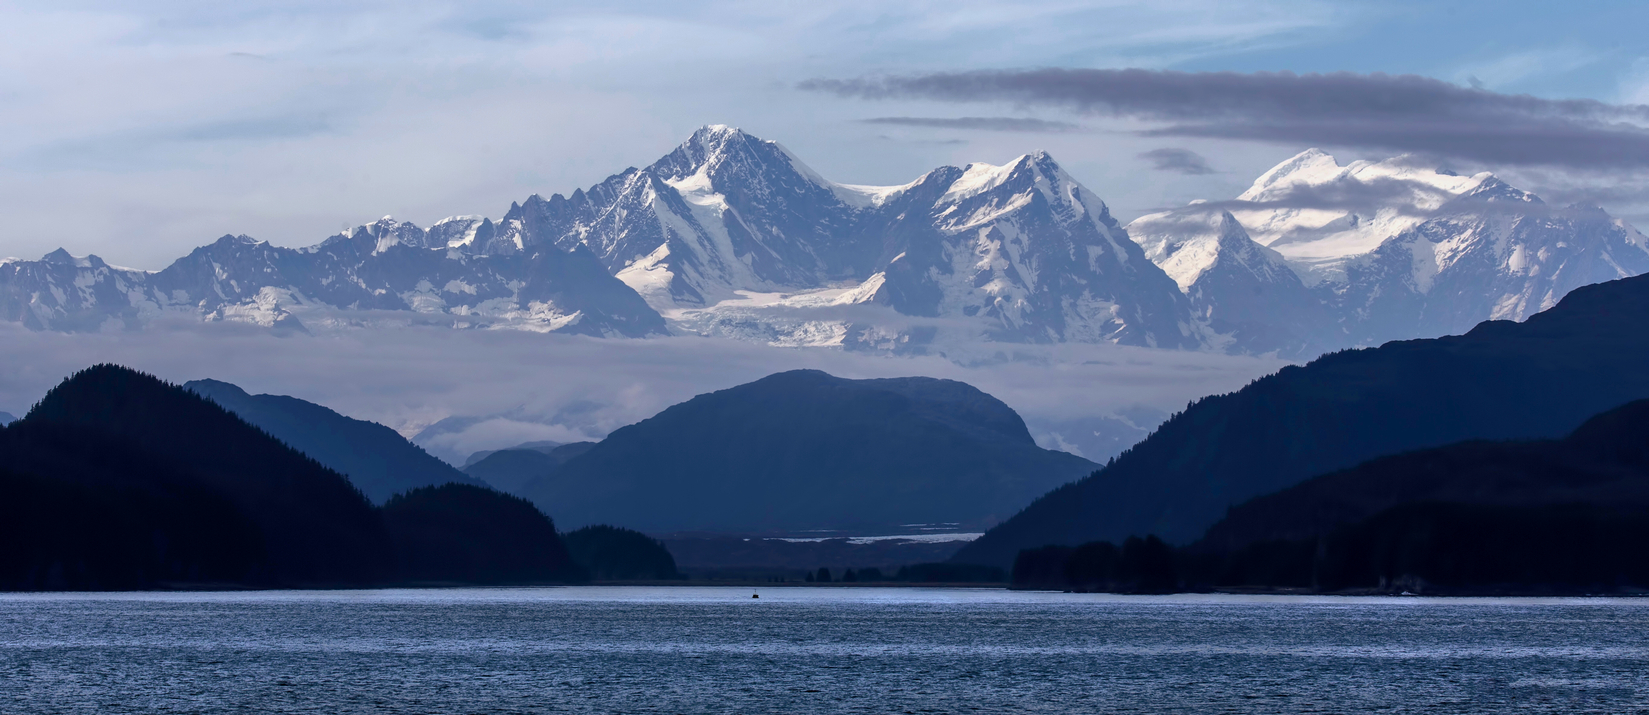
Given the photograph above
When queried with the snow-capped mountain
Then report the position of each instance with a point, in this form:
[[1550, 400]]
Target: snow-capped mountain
[[1246, 294], [1379, 251], [1031, 251], [729, 235], [732, 235], [387, 270]]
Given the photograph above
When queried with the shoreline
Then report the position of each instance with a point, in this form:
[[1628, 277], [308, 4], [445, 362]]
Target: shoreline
[[976, 586]]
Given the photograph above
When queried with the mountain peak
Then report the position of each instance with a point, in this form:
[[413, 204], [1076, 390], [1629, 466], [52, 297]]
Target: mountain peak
[[979, 177], [709, 148], [1312, 165], [216, 390], [714, 140], [232, 240], [717, 130]]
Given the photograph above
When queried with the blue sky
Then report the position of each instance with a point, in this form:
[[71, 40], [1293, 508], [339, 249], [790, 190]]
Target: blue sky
[[140, 130]]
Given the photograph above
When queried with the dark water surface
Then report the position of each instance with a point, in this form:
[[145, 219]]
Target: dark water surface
[[814, 650]]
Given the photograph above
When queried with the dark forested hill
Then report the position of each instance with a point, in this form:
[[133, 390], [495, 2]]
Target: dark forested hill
[[117, 480], [805, 450], [613, 554], [377, 459], [82, 511], [1514, 517], [469, 534], [1604, 462], [312, 525], [1537, 379]]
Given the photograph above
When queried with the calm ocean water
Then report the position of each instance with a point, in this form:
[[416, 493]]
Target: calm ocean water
[[814, 650]]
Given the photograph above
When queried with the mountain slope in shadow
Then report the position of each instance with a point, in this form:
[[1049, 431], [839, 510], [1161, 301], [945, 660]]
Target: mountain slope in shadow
[[804, 450], [118, 480], [1538, 379], [1603, 463], [377, 459], [511, 470]]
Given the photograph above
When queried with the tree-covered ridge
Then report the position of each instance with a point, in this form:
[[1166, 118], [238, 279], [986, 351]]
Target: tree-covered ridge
[[1537, 379], [119, 480], [469, 534], [1543, 516], [315, 526], [611, 553]]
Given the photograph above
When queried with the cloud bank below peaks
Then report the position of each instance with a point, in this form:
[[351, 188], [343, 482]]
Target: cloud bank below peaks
[[562, 387]]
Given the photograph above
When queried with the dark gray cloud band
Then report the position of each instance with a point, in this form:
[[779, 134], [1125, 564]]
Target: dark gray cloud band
[[1178, 161], [1403, 113], [988, 124]]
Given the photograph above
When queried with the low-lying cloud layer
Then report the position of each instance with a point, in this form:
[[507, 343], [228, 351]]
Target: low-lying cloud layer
[[1402, 113], [409, 378]]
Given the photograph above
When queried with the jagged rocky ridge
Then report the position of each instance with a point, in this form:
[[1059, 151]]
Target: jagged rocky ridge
[[733, 236]]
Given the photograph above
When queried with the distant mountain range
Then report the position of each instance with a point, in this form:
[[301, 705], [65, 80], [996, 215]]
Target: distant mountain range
[[800, 451], [512, 470], [542, 446], [733, 236], [376, 459], [1503, 380]]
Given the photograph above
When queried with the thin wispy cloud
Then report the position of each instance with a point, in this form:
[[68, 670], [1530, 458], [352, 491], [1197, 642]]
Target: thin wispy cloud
[[1401, 113]]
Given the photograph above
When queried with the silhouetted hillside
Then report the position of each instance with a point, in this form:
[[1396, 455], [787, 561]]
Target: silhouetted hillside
[[377, 459], [1547, 516], [6, 418], [1603, 463], [511, 470], [1419, 547], [117, 480], [801, 450], [314, 525], [609, 553], [82, 511], [470, 534], [1139, 566], [1537, 379]]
